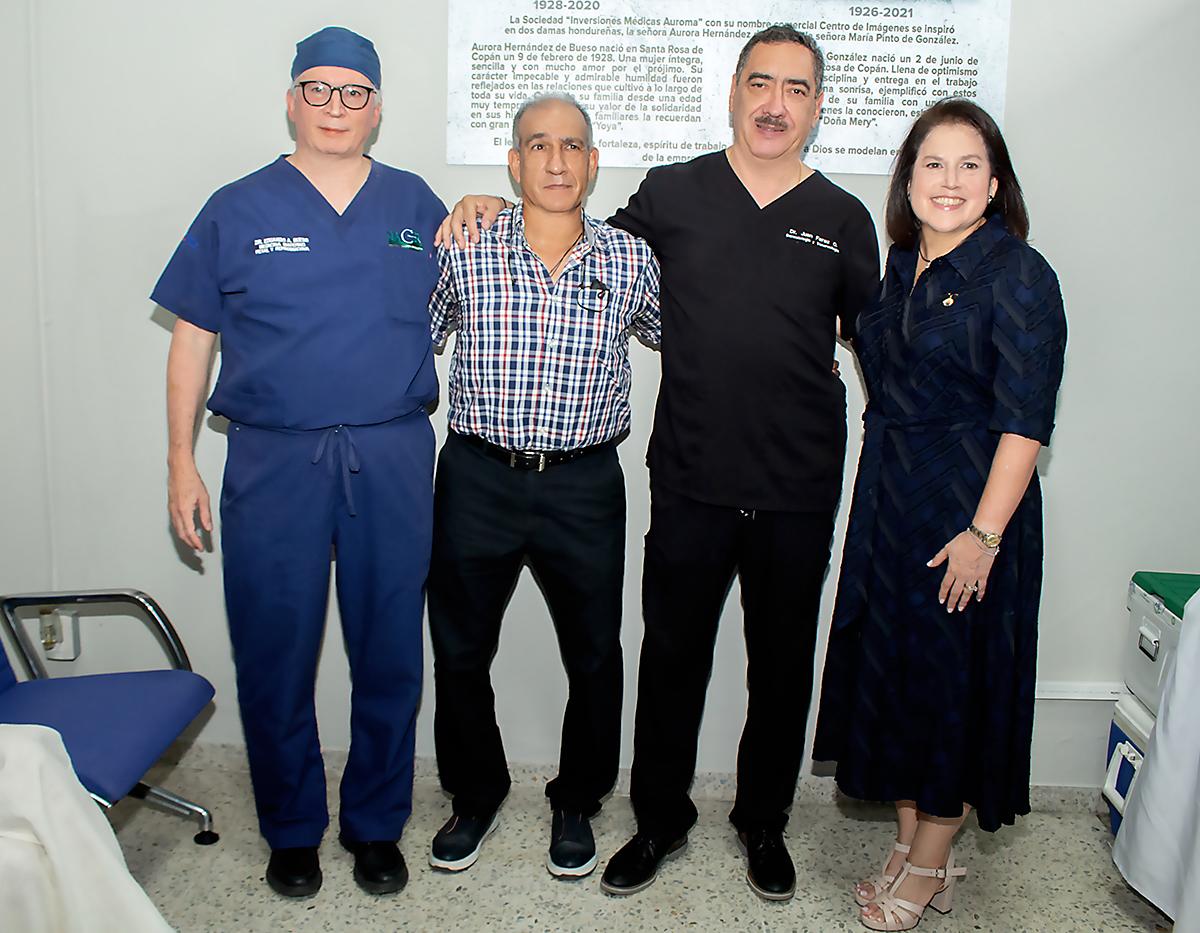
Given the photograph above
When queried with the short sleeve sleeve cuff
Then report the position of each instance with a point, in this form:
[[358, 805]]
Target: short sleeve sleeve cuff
[[188, 286], [1029, 332]]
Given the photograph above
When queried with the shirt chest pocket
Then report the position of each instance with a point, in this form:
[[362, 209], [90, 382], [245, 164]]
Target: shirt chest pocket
[[808, 271], [589, 333], [594, 310], [404, 277], [270, 276]]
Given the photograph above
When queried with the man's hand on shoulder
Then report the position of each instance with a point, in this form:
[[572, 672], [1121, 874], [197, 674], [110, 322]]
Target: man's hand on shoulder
[[468, 216]]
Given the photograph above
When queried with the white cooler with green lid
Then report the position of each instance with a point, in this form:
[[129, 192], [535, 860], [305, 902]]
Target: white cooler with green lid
[[1155, 602], [1158, 846]]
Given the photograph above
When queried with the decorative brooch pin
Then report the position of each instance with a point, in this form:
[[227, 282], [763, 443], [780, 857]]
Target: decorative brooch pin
[[949, 299]]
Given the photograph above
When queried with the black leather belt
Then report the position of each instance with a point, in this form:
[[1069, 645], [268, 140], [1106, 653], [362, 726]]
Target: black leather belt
[[530, 459]]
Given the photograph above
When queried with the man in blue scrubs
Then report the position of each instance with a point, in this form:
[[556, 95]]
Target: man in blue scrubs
[[316, 272]]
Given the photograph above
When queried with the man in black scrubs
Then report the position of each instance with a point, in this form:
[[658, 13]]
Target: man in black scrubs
[[762, 258]]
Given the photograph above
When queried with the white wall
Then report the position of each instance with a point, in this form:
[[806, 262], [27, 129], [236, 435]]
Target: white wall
[[142, 110], [25, 553]]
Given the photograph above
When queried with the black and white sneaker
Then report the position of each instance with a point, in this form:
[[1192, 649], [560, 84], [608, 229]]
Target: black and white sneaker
[[572, 848], [456, 845]]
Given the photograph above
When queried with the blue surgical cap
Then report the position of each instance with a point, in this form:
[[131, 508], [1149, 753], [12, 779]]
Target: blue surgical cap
[[339, 47]]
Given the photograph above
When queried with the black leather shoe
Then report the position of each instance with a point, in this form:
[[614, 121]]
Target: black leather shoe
[[294, 872], [635, 866], [572, 847], [378, 866], [456, 845], [770, 873]]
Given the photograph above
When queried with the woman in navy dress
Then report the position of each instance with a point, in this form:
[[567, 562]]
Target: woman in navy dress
[[928, 690]]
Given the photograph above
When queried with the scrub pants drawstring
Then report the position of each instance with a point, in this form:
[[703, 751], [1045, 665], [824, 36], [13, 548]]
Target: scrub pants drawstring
[[345, 452]]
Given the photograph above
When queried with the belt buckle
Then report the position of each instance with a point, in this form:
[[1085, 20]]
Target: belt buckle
[[526, 459]]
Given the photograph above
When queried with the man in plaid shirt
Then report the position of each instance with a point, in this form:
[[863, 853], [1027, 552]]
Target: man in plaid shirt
[[544, 305]]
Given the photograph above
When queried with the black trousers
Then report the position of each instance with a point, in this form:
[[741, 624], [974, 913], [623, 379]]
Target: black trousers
[[692, 552], [568, 523]]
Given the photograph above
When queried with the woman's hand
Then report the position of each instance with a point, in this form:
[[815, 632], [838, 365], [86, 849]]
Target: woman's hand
[[968, 566]]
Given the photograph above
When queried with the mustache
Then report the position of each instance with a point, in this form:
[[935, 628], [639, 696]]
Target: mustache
[[775, 122]]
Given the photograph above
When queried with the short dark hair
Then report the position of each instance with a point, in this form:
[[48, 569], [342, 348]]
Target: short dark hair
[[903, 227], [783, 32]]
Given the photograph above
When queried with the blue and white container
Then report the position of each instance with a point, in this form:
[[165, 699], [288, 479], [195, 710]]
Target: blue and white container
[[1128, 740]]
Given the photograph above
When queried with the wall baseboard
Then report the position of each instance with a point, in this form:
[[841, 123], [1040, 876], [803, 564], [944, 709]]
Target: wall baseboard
[[1108, 691]]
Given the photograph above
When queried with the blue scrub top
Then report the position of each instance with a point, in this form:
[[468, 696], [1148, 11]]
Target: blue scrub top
[[323, 317]]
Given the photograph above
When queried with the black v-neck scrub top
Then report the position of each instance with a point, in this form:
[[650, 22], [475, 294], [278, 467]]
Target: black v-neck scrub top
[[750, 413]]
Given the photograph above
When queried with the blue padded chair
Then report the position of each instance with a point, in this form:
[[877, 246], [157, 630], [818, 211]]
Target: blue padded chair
[[114, 726]]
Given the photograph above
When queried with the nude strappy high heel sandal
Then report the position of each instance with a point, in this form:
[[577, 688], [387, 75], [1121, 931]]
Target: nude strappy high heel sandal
[[900, 914], [880, 882]]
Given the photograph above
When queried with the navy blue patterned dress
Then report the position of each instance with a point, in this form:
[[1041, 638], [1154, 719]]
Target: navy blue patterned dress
[[917, 703]]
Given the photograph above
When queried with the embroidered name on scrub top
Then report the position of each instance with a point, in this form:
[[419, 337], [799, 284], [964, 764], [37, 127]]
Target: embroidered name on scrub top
[[280, 244], [813, 239]]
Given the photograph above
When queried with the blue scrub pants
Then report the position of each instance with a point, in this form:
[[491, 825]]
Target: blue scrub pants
[[291, 501]]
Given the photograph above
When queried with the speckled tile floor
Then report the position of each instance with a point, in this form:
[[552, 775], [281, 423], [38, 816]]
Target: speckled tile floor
[[1050, 873]]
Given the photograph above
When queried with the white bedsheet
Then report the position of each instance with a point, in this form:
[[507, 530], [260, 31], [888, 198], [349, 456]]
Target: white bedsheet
[[60, 866]]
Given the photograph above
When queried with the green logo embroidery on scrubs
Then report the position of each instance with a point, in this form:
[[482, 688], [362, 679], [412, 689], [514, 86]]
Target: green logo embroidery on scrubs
[[405, 239]]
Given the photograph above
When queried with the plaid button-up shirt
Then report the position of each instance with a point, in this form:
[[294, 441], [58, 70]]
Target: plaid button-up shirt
[[542, 365]]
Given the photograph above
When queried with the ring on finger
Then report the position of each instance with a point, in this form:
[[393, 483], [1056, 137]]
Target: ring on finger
[[974, 587]]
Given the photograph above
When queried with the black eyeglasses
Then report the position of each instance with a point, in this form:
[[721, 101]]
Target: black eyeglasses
[[318, 94], [593, 297]]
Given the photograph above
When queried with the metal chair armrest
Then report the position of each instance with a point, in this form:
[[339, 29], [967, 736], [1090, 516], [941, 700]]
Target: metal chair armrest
[[163, 630]]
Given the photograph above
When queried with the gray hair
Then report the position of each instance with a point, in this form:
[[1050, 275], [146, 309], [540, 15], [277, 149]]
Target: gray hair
[[543, 98], [785, 33]]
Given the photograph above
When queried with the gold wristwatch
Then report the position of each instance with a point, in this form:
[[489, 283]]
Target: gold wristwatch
[[989, 539]]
